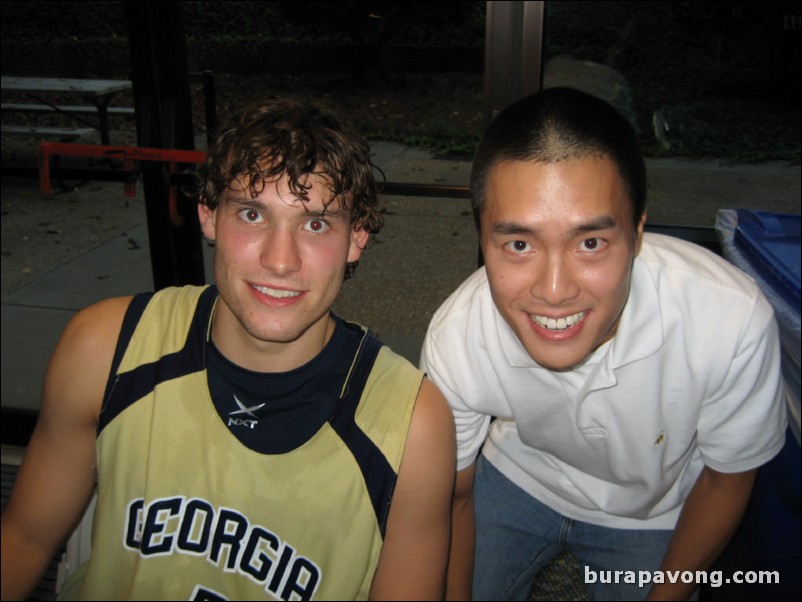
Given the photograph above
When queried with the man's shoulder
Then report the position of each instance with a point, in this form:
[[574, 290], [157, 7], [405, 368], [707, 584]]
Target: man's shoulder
[[98, 320], [680, 261], [175, 301], [158, 323], [180, 294], [695, 291]]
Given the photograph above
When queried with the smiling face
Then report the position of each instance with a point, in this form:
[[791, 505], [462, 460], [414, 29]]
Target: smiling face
[[279, 265], [558, 245]]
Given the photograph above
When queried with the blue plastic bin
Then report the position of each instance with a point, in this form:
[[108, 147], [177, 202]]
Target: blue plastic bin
[[767, 247]]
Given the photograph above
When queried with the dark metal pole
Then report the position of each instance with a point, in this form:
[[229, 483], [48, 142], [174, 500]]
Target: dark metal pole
[[513, 56], [513, 53], [164, 120]]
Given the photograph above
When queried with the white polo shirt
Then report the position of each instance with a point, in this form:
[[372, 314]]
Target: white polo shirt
[[692, 377]]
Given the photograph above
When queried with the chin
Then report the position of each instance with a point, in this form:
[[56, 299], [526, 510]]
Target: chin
[[557, 359], [559, 366]]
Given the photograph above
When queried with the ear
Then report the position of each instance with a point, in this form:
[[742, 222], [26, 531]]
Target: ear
[[359, 240], [208, 220], [639, 233]]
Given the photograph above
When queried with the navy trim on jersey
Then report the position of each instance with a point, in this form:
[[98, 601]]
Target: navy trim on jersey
[[125, 389], [380, 478], [132, 316]]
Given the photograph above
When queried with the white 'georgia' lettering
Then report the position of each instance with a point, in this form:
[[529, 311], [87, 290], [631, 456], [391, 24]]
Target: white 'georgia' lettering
[[225, 537]]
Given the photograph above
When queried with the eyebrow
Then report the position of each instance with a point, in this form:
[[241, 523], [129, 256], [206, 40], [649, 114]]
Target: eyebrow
[[326, 212], [506, 228], [242, 200]]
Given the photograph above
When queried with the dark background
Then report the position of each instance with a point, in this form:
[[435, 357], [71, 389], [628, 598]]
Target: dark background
[[723, 75]]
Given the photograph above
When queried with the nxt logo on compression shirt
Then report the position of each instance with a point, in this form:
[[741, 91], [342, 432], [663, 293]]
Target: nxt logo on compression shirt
[[177, 525], [234, 417]]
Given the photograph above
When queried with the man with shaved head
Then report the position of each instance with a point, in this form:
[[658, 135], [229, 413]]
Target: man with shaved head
[[614, 391]]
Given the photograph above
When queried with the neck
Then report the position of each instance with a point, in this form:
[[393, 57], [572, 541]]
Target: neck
[[262, 354]]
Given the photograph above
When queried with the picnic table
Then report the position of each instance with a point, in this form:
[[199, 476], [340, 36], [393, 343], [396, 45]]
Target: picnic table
[[98, 92]]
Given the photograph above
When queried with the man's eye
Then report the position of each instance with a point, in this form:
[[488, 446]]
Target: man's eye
[[316, 225], [251, 215], [518, 246], [592, 244]]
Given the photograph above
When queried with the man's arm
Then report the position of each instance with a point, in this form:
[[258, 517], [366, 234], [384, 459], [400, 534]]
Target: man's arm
[[57, 476], [459, 585], [413, 561], [709, 518]]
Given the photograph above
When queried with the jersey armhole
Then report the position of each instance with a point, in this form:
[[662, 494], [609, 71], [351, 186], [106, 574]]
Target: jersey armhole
[[132, 317]]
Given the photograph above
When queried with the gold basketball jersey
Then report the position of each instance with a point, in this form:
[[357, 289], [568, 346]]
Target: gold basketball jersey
[[186, 511]]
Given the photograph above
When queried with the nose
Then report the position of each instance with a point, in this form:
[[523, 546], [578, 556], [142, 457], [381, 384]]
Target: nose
[[557, 281], [280, 253]]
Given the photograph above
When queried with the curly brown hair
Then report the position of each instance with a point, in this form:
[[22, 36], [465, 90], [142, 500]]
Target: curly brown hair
[[282, 137]]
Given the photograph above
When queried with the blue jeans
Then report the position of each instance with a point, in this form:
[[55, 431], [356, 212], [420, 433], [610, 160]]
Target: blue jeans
[[516, 536]]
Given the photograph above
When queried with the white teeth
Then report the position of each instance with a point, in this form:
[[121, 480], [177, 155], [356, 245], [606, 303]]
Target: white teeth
[[559, 323], [278, 294]]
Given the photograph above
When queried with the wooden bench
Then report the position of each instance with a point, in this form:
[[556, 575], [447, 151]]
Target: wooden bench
[[50, 133], [75, 109]]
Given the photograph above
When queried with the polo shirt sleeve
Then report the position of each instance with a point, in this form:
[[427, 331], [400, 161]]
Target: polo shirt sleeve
[[742, 424], [438, 359]]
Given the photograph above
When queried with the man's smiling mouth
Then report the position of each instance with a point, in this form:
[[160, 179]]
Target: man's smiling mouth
[[558, 323], [277, 293]]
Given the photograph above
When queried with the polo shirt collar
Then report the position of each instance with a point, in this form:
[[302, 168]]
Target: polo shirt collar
[[640, 332]]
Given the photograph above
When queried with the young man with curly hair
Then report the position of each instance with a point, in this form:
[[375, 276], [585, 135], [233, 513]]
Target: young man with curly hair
[[245, 442]]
